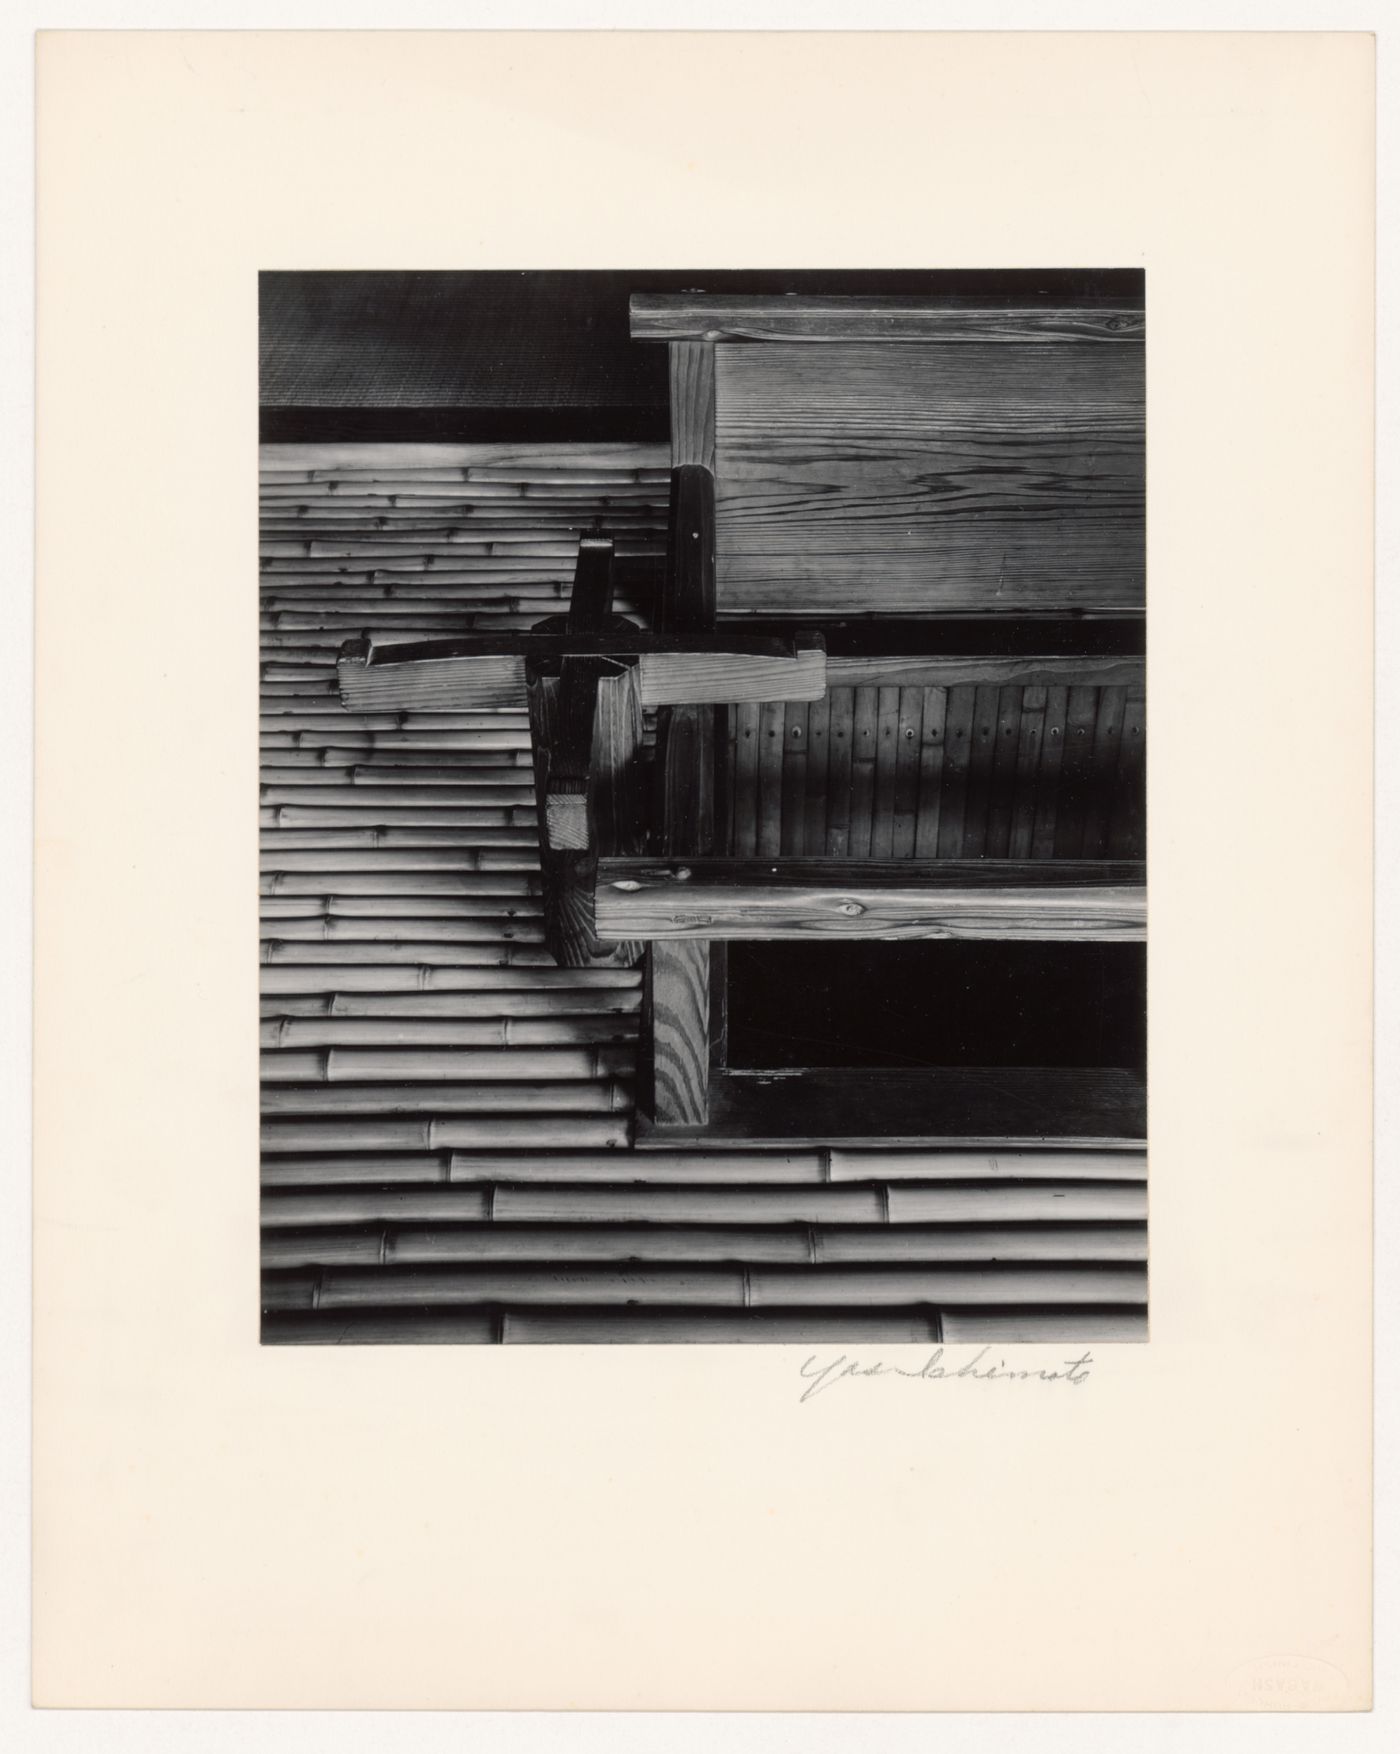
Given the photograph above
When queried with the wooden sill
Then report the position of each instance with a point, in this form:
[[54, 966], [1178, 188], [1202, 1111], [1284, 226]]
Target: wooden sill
[[965, 1106]]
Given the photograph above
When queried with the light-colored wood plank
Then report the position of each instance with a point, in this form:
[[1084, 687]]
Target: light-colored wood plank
[[928, 479], [677, 1028], [797, 898], [809, 317], [941, 670], [692, 373]]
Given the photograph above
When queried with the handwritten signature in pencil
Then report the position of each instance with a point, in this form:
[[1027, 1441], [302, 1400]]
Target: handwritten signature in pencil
[[820, 1376]]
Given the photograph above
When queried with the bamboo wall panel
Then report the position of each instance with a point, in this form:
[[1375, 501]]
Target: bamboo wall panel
[[950, 773], [447, 1147]]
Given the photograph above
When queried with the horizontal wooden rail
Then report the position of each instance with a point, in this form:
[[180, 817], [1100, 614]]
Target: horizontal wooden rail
[[489, 670], [804, 317], [895, 898]]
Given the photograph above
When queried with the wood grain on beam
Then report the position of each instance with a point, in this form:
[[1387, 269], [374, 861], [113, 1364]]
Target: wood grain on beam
[[701, 317], [921, 670], [487, 672], [692, 365], [899, 898]]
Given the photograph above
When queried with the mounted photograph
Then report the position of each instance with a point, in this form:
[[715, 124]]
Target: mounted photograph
[[703, 807]]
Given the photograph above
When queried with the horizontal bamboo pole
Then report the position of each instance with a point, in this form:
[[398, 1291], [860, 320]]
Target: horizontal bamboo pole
[[377, 1287], [969, 1165], [371, 1328], [438, 1065], [1085, 1283], [345, 954], [608, 1010], [296, 1188], [359, 726], [392, 933], [411, 1245], [1000, 1205], [714, 1327], [698, 1286], [510, 809], [386, 838], [380, 1132], [277, 814], [443, 887], [744, 1245], [640, 1167], [431, 784], [974, 1327], [567, 1096], [446, 1032], [347, 978], [340, 1197], [400, 906]]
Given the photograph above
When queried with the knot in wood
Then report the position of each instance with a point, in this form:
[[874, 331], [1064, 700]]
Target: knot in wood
[[852, 908]]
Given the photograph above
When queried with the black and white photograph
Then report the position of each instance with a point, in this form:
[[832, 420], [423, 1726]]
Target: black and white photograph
[[702, 806]]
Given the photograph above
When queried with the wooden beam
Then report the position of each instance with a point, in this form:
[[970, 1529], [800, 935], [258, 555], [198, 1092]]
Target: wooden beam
[[959, 1107], [485, 671], [923, 670], [711, 317], [613, 807], [1080, 900]]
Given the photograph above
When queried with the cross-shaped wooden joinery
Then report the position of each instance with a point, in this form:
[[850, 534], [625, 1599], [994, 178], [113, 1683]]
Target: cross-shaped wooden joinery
[[584, 678]]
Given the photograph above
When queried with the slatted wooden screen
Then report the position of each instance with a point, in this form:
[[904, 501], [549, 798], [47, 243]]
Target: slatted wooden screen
[[940, 773]]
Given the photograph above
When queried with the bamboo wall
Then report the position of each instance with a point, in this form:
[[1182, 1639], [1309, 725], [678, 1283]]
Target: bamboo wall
[[447, 1115]]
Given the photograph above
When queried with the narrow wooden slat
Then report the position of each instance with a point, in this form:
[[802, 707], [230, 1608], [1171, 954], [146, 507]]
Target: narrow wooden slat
[[908, 735], [1128, 829], [841, 742], [792, 833], [1076, 773], [769, 825], [864, 751], [814, 804], [744, 778], [957, 759], [928, 810], [1052, 749], [1003, 776], [1021, 839], [886, 762], [456, 461]]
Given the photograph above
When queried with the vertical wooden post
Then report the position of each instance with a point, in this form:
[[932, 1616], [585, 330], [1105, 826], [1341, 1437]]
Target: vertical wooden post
[[586, 731], [676, 995]]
